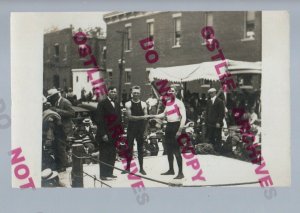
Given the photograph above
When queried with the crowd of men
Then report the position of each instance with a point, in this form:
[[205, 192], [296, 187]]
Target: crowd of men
[[58, 108]]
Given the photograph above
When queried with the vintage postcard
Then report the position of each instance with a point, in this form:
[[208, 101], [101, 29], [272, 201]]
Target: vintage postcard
[[150, 99]]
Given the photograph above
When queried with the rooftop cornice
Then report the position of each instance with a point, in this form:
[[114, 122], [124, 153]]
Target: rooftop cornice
[[116, 17]]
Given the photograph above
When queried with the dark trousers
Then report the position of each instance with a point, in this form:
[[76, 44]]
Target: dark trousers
[[60, 146], [172, 146], [107, 155], [214, 136], [137, 133]]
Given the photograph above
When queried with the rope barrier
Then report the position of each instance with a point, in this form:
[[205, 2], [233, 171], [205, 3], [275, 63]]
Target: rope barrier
[[177, 184], [225, 184], [122, 170], [86, 174], [94, 177], [154, 180]]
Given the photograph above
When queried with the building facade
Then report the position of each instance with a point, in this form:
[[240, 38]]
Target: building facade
[[178, 41], [61, 57]]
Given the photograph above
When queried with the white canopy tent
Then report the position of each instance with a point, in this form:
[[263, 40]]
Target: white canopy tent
[[205, 70]]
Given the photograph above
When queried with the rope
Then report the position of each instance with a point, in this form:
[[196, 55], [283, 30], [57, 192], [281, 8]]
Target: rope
[[225, 184], [86, 174], [154, 180], [147, 178], [177, 184], [95, 179]]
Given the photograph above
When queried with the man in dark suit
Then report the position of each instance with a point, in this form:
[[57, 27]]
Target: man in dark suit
[[108, 116], [64, 108], [215, 113]]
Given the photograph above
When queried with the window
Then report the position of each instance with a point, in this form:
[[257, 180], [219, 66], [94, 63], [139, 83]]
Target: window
[[249, 25], [56, 52], [147, 76], [209, 19], [104, 53], [87, 79], [56, 49], [245, 79], [76, 78], [205, 83], [177, 31], [109, 74], [66, 51], [128, 76], [150, 30], [128, 40]]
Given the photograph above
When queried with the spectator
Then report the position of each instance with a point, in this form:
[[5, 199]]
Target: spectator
[[83, 96], [203, 102], [152, 103], [215, 113], [64, 108], [71, 97], [253, 116]]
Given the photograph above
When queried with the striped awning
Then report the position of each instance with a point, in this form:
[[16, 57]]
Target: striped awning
[[205, 70]]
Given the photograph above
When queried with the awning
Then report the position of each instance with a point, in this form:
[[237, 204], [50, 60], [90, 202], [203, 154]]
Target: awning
[[205, 70]]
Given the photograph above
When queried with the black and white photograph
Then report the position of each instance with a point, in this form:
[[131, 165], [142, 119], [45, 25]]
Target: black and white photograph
[[153, 99]]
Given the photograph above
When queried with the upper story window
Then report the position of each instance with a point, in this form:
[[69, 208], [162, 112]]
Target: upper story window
[[177, 31], [249, 25], [66, 51], [127, 75], [150, 28], [209, 19], [128, 36], [147, 76], [56, 49], [104, 53], [56, 52], [110, 74]]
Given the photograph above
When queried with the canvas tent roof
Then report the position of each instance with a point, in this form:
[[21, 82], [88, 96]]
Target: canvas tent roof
[[205, 70]]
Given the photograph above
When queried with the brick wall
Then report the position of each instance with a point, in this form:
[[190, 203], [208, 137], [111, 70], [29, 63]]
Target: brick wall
[[61, 66], [229, 30]]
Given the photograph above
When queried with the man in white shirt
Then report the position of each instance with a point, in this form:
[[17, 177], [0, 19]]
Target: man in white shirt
[[152, 104], [253, 116], [176, 117]]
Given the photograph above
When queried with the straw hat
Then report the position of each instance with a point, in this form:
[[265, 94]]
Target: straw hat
[[52, 92], [48, 174], [212, 90]]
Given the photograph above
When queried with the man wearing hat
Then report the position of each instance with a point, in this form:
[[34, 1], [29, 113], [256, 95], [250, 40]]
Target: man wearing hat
[[215, 113], [64, 108], [50, 179]]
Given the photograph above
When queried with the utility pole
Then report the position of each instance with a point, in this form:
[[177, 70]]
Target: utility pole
[[121, 64]]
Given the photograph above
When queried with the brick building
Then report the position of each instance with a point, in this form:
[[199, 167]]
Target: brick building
[[178, 41], [61, 58]]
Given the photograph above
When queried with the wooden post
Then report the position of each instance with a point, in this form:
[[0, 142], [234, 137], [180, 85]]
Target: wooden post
[[77, 168]]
